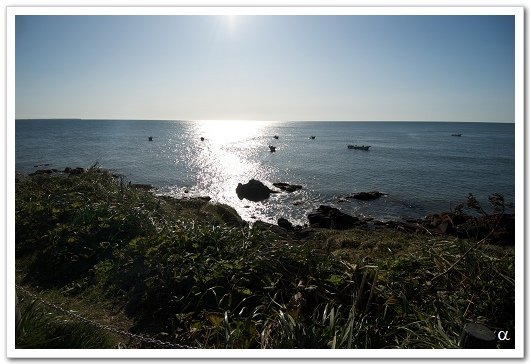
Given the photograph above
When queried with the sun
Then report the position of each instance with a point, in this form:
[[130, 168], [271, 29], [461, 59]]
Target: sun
[[232, 19]]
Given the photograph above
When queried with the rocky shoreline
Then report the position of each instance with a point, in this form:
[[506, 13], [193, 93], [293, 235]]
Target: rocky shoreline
[[498, 227]]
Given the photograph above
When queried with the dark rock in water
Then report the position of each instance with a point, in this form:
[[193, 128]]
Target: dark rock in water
[[286, 186], [284, 223], [331, 218], [254, 190], [366, 196]]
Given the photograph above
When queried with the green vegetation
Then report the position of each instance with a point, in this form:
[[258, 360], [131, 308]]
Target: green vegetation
[[193, 273], [41, 329]]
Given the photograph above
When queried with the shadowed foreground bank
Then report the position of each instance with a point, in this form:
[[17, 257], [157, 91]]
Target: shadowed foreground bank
[[190, 273]]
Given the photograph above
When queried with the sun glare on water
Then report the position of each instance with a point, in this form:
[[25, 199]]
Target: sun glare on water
[[226, 155], [230, 131]]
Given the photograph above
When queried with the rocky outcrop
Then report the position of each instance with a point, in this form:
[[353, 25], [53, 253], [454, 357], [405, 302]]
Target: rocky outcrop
[[43, 171], [331, 218], [221, 213], [286, 186], [367, 196], [254, 190], [284, 223], [141, 186], [77, 170], [499, 229], [267, 227]]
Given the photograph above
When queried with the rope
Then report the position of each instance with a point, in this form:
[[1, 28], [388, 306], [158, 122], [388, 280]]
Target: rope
[[77, 316]]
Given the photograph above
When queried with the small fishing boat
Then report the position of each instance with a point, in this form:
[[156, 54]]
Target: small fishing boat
[[359, 147], [272, 148], [312, 137], [456, 134], [276, 137], [150, 138], [202, 139]]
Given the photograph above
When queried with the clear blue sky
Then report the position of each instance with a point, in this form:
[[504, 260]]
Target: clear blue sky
[[454, 68]]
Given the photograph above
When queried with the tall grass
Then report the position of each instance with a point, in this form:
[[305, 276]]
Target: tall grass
[[41, 328]]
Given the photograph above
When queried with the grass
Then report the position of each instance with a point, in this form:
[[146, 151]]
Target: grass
[[193, 273], [42, 328]]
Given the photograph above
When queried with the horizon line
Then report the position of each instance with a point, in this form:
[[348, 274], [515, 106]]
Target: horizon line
[[262, 120]]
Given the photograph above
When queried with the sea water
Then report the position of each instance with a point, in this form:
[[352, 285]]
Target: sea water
[[420, 165]]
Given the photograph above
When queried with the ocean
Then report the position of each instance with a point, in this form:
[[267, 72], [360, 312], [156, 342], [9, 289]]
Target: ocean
[[420, 165]]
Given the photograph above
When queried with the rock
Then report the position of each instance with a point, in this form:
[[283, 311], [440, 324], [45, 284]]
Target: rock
[[268, 227], [444, 222], [367, 196], [331, 218], [222, 214], [140, 186], [254, 190], [499, 227], [78, 170], [286, 186], [305, 232], [43, 171], [284, 223]]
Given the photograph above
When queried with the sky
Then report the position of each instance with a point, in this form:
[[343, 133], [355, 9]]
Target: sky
[[281, 67]]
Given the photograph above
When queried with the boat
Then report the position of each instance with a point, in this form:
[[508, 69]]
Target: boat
[[202, 139], [312, 137], [359, 147], [272, 148], [150, 139], [456, 134], [276, 137]]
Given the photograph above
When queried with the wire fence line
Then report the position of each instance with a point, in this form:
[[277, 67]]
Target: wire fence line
[[73, 314]]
